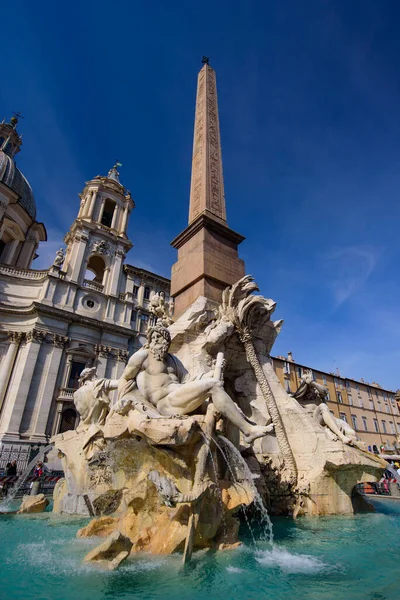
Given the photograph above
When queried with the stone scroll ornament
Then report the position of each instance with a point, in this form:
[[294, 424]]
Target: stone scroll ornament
[[246, 311]]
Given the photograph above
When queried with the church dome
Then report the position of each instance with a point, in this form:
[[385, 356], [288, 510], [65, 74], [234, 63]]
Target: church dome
[[12, 177]]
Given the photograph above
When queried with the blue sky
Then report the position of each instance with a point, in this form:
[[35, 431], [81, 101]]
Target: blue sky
[[309, 100]]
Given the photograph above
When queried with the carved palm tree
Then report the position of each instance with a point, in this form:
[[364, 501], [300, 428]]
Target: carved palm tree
[[245, 310]]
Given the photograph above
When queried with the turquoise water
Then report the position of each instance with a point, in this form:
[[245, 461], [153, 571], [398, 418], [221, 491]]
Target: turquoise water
[[353, 558]]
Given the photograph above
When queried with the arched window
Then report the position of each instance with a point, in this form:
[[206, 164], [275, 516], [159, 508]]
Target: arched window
[[108, 213], [95, 269], [68, 420]]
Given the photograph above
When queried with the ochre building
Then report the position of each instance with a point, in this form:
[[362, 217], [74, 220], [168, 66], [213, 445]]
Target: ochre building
[[370, 409]]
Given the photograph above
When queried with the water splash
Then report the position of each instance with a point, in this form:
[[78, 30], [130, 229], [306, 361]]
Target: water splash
[[258, 501], [5, 505], [290, 562], [232, 569]]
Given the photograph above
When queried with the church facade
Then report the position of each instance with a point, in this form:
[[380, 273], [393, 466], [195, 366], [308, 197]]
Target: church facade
[[89, 308]]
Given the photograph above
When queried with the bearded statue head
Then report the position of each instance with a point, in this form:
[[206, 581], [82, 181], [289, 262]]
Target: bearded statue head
[[158, 341]]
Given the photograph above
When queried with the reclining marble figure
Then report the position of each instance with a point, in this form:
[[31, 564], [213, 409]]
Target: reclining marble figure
[[313, 395], [156, 383], [91, 398]]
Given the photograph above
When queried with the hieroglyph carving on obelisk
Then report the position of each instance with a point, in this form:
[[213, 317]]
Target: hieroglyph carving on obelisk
[[207, 184]]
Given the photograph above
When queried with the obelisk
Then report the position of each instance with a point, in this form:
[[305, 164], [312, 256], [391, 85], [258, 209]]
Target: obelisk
[[207, 249]]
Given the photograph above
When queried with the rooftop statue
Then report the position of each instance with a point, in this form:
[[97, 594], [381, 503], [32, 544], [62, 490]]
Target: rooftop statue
[[156, 382], [59, 258]]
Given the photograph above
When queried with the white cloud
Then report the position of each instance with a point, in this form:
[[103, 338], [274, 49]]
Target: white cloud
[[348, 269]]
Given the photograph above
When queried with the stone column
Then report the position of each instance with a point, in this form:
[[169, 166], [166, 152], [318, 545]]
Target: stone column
[[7, 363], [130, 282], [103, 353], [113, 280], [20, 384], [83, 206], [28, 248], [140, 296], [127, 313], [78, 259], [57, 420], [67, 371], [103, 201], [92, 204], [47, 396], [9, 252], [138, 321], [115, 218], [125, 216], [3, 208]]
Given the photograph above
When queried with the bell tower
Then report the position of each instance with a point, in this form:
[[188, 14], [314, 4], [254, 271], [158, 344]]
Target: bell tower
[[97, 241]]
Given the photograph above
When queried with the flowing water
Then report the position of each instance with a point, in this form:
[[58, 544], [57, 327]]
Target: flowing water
[[340, 558], [235, 483], [237, 458], [5, 505], [346, 558], [216, 478]]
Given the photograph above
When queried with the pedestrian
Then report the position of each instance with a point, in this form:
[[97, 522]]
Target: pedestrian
[[11, 469], [39, 471]]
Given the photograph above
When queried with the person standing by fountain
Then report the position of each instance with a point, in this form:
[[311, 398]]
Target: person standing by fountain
[[38, 473], [11, 471]]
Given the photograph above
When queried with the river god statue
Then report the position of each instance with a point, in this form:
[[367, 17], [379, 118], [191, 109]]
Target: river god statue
[[156, 382]]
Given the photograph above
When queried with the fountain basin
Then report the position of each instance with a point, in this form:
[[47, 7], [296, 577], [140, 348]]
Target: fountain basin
[[315, 558]]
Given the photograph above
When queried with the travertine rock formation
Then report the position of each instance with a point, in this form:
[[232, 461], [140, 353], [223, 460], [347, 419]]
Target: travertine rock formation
[[33, 504], [110, 553]]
